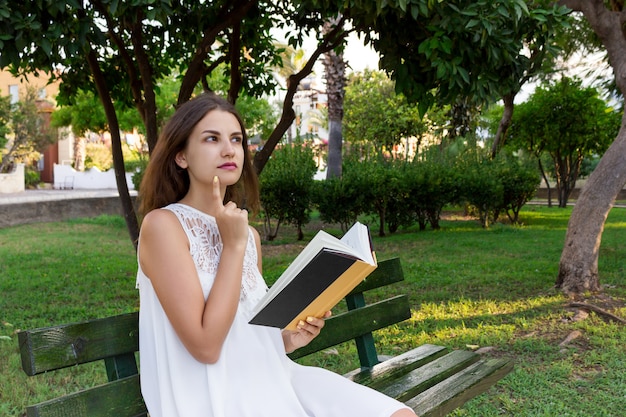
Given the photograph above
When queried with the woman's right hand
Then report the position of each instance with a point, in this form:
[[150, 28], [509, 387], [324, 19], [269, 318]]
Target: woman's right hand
[[232, 221]]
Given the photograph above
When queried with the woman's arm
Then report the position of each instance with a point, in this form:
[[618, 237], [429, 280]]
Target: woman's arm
[[164, 257]]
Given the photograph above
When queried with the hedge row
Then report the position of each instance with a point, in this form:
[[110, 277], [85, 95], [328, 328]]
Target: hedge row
[[397, 193]]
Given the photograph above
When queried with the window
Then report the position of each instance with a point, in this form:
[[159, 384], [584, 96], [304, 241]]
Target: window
[[14, 92]]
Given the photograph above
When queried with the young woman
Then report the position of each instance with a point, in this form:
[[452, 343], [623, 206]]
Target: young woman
[[199, 278]]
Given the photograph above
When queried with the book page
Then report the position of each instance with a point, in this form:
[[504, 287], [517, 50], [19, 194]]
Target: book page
[[358, 238]]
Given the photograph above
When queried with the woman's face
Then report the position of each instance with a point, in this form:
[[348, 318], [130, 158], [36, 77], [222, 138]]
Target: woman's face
[[214, 148]]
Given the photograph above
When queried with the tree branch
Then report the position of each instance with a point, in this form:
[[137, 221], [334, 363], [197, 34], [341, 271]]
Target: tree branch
[[196, 67], [599, 311], [235, 60], [330, 41]]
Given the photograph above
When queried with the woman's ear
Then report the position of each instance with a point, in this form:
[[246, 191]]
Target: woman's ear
[[181, 161]]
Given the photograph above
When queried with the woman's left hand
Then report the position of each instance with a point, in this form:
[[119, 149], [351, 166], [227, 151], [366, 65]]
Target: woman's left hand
[[307, 331]]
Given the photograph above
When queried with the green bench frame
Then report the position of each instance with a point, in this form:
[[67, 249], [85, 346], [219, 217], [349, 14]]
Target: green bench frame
[[430, 379]]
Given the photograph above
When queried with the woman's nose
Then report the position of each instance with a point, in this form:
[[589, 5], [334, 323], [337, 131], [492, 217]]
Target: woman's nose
[[228, 148]]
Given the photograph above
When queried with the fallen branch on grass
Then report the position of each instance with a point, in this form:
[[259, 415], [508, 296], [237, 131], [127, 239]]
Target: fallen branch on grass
[[605, 315]]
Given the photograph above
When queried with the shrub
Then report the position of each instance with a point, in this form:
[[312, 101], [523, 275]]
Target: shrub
[[432, 183], [138, 167], [381, 185], [520, 179], [341, 199], [32, 177], [286, 188], [481, 187]]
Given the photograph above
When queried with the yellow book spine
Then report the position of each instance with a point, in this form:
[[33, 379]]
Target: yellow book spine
[[335, 292]]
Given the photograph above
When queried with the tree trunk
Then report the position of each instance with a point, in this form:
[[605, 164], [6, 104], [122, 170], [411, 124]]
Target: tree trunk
[[79, 153], [505, 122], [335, 146], [578, 268], [546, 180], [116, 146], [335, 74]]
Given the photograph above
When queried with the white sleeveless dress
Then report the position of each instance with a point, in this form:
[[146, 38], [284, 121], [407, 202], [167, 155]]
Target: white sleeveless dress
[[253, 376]]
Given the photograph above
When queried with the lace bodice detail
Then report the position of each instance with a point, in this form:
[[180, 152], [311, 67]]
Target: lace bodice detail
[[205, 247]]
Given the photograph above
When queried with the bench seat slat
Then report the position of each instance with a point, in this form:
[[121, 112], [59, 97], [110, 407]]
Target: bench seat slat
[[455, 391], [117, 398], [395, 366], [58, 347], [346, 326], [420, 379]]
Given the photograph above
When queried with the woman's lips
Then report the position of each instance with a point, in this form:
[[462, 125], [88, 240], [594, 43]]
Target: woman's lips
[[228, 166]]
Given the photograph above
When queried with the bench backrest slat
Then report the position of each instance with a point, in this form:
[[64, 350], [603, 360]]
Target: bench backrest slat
[[388, 272], [67, 345], [346, 326], [118, 398]]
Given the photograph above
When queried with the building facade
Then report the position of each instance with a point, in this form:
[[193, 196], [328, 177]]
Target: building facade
[[16, 87]]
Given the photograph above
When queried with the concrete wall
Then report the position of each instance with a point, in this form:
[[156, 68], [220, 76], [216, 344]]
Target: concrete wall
[[57, 210], [13, 182]]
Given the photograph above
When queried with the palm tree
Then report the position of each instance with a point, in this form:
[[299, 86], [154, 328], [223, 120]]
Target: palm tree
[[335, 75]]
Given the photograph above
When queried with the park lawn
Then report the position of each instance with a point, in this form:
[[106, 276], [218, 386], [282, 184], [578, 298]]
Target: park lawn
[[470, 288]]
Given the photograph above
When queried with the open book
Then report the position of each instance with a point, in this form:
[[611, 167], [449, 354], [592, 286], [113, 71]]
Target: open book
[[322, 274]]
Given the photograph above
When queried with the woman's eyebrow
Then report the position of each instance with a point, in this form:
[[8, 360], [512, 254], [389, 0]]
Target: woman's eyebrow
[[215, 132]]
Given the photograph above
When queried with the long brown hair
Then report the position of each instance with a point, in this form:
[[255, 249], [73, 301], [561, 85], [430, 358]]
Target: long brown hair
[[164, 182]]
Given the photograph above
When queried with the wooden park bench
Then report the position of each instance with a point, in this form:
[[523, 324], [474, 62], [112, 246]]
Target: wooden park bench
[[431, 379]]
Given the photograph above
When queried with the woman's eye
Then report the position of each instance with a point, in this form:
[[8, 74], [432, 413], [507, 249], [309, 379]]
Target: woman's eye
[[211, 138], [237, 139]]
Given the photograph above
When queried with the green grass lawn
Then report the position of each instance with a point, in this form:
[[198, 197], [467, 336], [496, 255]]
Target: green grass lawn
[[469, 288]]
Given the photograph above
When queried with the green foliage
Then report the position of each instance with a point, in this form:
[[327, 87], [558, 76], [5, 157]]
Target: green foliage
[[340, 200], [98, 44], [493, 186], [381, 183], [568, 122], [83, 115], [395, 192], [5, 116], [432, 182], [31, 177], [481, 187], [98, 155], [30, 135], [287, 188], [258, 115], [520, 179], [400, 194], [390, 118], [138, 167], [442, 50]]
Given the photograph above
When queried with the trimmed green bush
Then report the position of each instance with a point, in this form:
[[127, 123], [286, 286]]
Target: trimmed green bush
[[286, 188], [339, 200]]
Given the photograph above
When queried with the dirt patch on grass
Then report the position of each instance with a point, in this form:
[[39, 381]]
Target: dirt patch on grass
[[282, 249]]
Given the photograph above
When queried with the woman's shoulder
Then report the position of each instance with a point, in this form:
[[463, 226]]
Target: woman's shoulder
[[160, 214], [255, 233], [159, 219]]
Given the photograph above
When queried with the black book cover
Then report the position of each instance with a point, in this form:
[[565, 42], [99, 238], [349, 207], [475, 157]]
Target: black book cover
[[319, 274]]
